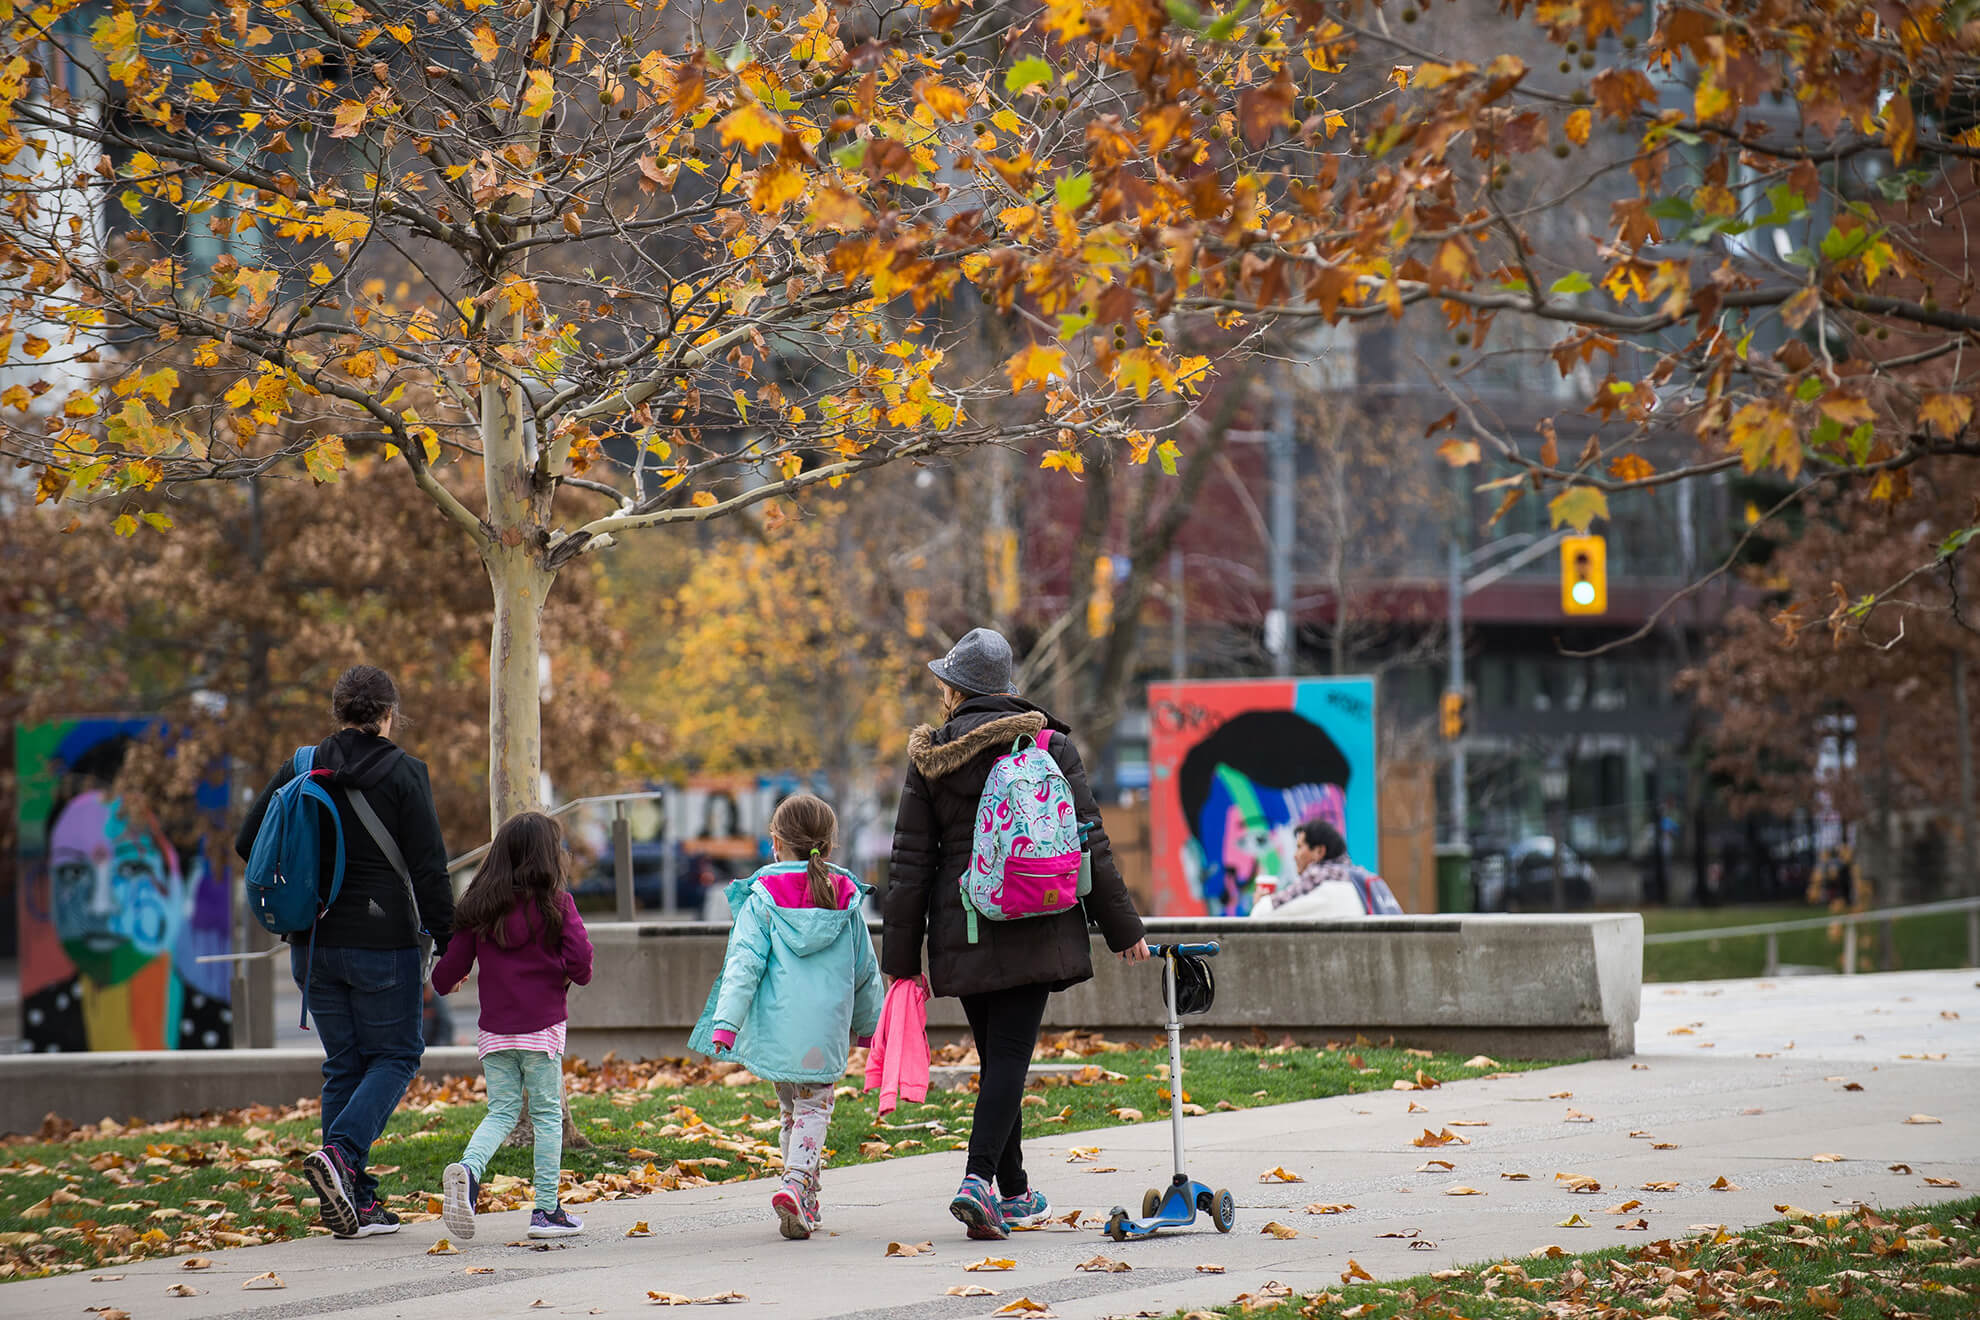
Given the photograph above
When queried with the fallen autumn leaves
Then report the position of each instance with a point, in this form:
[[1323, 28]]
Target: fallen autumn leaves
[[104, 1194]]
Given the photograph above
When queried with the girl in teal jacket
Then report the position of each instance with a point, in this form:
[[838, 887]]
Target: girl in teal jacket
[[798, 981]]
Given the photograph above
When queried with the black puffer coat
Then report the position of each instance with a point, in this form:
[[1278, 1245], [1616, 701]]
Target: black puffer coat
[[947, 768]]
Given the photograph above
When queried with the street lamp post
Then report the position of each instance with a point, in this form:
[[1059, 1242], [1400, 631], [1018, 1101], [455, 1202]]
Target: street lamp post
[[1457, 587]]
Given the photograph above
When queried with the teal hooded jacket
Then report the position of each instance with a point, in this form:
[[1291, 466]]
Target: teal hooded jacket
[[797, 982]]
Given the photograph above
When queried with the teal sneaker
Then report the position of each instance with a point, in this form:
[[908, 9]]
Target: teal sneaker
[[976, 1206], [1027, 1211]]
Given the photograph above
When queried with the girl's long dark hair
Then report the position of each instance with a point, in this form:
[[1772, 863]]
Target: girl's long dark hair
[[525, 864]]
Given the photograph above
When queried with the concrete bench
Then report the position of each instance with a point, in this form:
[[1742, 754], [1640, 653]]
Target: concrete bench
[[1510, 986], [1521, 986]]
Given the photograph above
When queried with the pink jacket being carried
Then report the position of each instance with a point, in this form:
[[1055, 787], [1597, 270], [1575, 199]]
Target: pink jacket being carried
[[897, 1064]]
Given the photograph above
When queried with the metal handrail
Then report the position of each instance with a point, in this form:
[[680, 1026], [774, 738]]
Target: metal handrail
[[474, 855], [1816, 923], [622, 869], [1771, 931]]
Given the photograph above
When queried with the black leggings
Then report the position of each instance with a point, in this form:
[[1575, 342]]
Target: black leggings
[[1005, 1024]]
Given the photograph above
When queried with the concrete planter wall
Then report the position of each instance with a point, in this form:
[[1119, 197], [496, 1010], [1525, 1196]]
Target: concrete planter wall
[[1523, 986], [1515, 987]]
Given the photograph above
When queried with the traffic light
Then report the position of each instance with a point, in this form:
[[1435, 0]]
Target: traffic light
[[1100, 605], [1450, 716], [1584, 575]]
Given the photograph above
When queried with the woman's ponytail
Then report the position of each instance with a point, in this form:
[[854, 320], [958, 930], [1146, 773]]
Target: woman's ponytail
[[808, 827]]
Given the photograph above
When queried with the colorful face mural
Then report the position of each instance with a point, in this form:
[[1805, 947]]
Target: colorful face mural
[[1237, 767], [112, 920]]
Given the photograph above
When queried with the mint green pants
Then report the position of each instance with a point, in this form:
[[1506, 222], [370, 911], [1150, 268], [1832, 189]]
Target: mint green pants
[[509, 1074]]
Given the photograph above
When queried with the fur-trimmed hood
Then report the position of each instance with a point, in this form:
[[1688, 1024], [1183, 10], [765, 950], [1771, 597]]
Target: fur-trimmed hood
[[938, 760]]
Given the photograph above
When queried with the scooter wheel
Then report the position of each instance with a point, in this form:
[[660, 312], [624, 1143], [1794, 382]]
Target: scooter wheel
[[1224, 1215], [1151, 1201], [1117, 1225]]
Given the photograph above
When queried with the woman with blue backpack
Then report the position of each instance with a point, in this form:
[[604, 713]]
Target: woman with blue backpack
[[1000, 861], [356, 814]]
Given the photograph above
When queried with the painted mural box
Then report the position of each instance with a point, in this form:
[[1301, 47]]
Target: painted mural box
[[118, 897], [1235, 766]]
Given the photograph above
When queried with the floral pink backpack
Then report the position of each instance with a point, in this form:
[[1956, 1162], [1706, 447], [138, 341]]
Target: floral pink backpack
[[1025, 859]]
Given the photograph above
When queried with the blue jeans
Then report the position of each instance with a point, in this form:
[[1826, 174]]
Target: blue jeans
[[366, 1007]]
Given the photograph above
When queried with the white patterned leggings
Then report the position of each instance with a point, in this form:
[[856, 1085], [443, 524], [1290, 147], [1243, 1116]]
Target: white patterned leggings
[[807, 1113]]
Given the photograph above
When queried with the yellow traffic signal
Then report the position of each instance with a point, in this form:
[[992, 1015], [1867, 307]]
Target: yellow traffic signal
[[1100, 605], [1450, 716], [1584, 575]]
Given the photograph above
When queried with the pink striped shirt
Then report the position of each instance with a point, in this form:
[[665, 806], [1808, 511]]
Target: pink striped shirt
[[550, 1040]]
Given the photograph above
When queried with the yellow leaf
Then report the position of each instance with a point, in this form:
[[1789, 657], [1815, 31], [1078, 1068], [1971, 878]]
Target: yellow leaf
[[483, 42], [540, 95], [1279, 1174], [703, 500], [1946, 414], [777, 185], [753, 126], [203, 91], [1711, 100], [443, 1248], [1577, 506], [124, 526], [945, 101], [1036, 366], [989, 1264], [1354, 1271], [79, 405], [1006, 119], [325, 458], [1577, 126], [350, 118], [1283, 1232], [1459, 453], [319, 275]]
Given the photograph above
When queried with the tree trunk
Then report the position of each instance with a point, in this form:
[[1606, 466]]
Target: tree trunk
[[515, 721]]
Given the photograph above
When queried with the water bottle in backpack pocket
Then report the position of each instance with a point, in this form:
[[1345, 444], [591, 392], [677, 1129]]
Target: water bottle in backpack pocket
[[1026, 857]]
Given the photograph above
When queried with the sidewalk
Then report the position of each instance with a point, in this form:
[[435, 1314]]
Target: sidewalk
[[1756, 1121]]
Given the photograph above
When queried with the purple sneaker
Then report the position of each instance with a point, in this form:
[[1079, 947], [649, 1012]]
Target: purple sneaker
[[976, 1206], [554, 1223], [792, 1221]]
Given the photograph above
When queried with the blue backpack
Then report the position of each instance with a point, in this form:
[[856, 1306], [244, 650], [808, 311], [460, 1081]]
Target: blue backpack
[[285, 886]]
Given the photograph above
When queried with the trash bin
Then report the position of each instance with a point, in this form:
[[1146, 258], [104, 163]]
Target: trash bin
[[1454, 893]]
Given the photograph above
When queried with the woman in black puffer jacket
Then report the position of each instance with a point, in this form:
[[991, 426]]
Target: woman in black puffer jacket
[[1005, 977]]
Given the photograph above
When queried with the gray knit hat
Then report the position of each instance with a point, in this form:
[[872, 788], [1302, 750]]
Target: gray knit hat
[[980, 664]]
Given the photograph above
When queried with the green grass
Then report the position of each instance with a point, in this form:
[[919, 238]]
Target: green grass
[[1922, 942], [1922, 1263], [202, 1184]]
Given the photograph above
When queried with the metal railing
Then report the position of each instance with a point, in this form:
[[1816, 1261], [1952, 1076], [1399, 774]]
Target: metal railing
[[1849, 921], [622, 869]]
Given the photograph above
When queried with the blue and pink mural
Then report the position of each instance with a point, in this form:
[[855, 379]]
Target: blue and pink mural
[[1236, 766], [117, 900]]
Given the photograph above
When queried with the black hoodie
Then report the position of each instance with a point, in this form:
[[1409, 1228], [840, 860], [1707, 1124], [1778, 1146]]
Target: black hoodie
[[372, 911]]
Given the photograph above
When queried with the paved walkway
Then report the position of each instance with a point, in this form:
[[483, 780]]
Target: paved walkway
[[1748, 1109]]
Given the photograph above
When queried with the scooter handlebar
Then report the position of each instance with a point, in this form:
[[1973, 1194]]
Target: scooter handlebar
[[1209, 949]]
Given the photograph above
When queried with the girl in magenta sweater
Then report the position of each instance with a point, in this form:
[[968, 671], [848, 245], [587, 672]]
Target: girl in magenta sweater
[[517, 919]]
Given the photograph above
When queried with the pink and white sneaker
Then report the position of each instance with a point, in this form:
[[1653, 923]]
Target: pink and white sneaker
[[797, 1210]]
